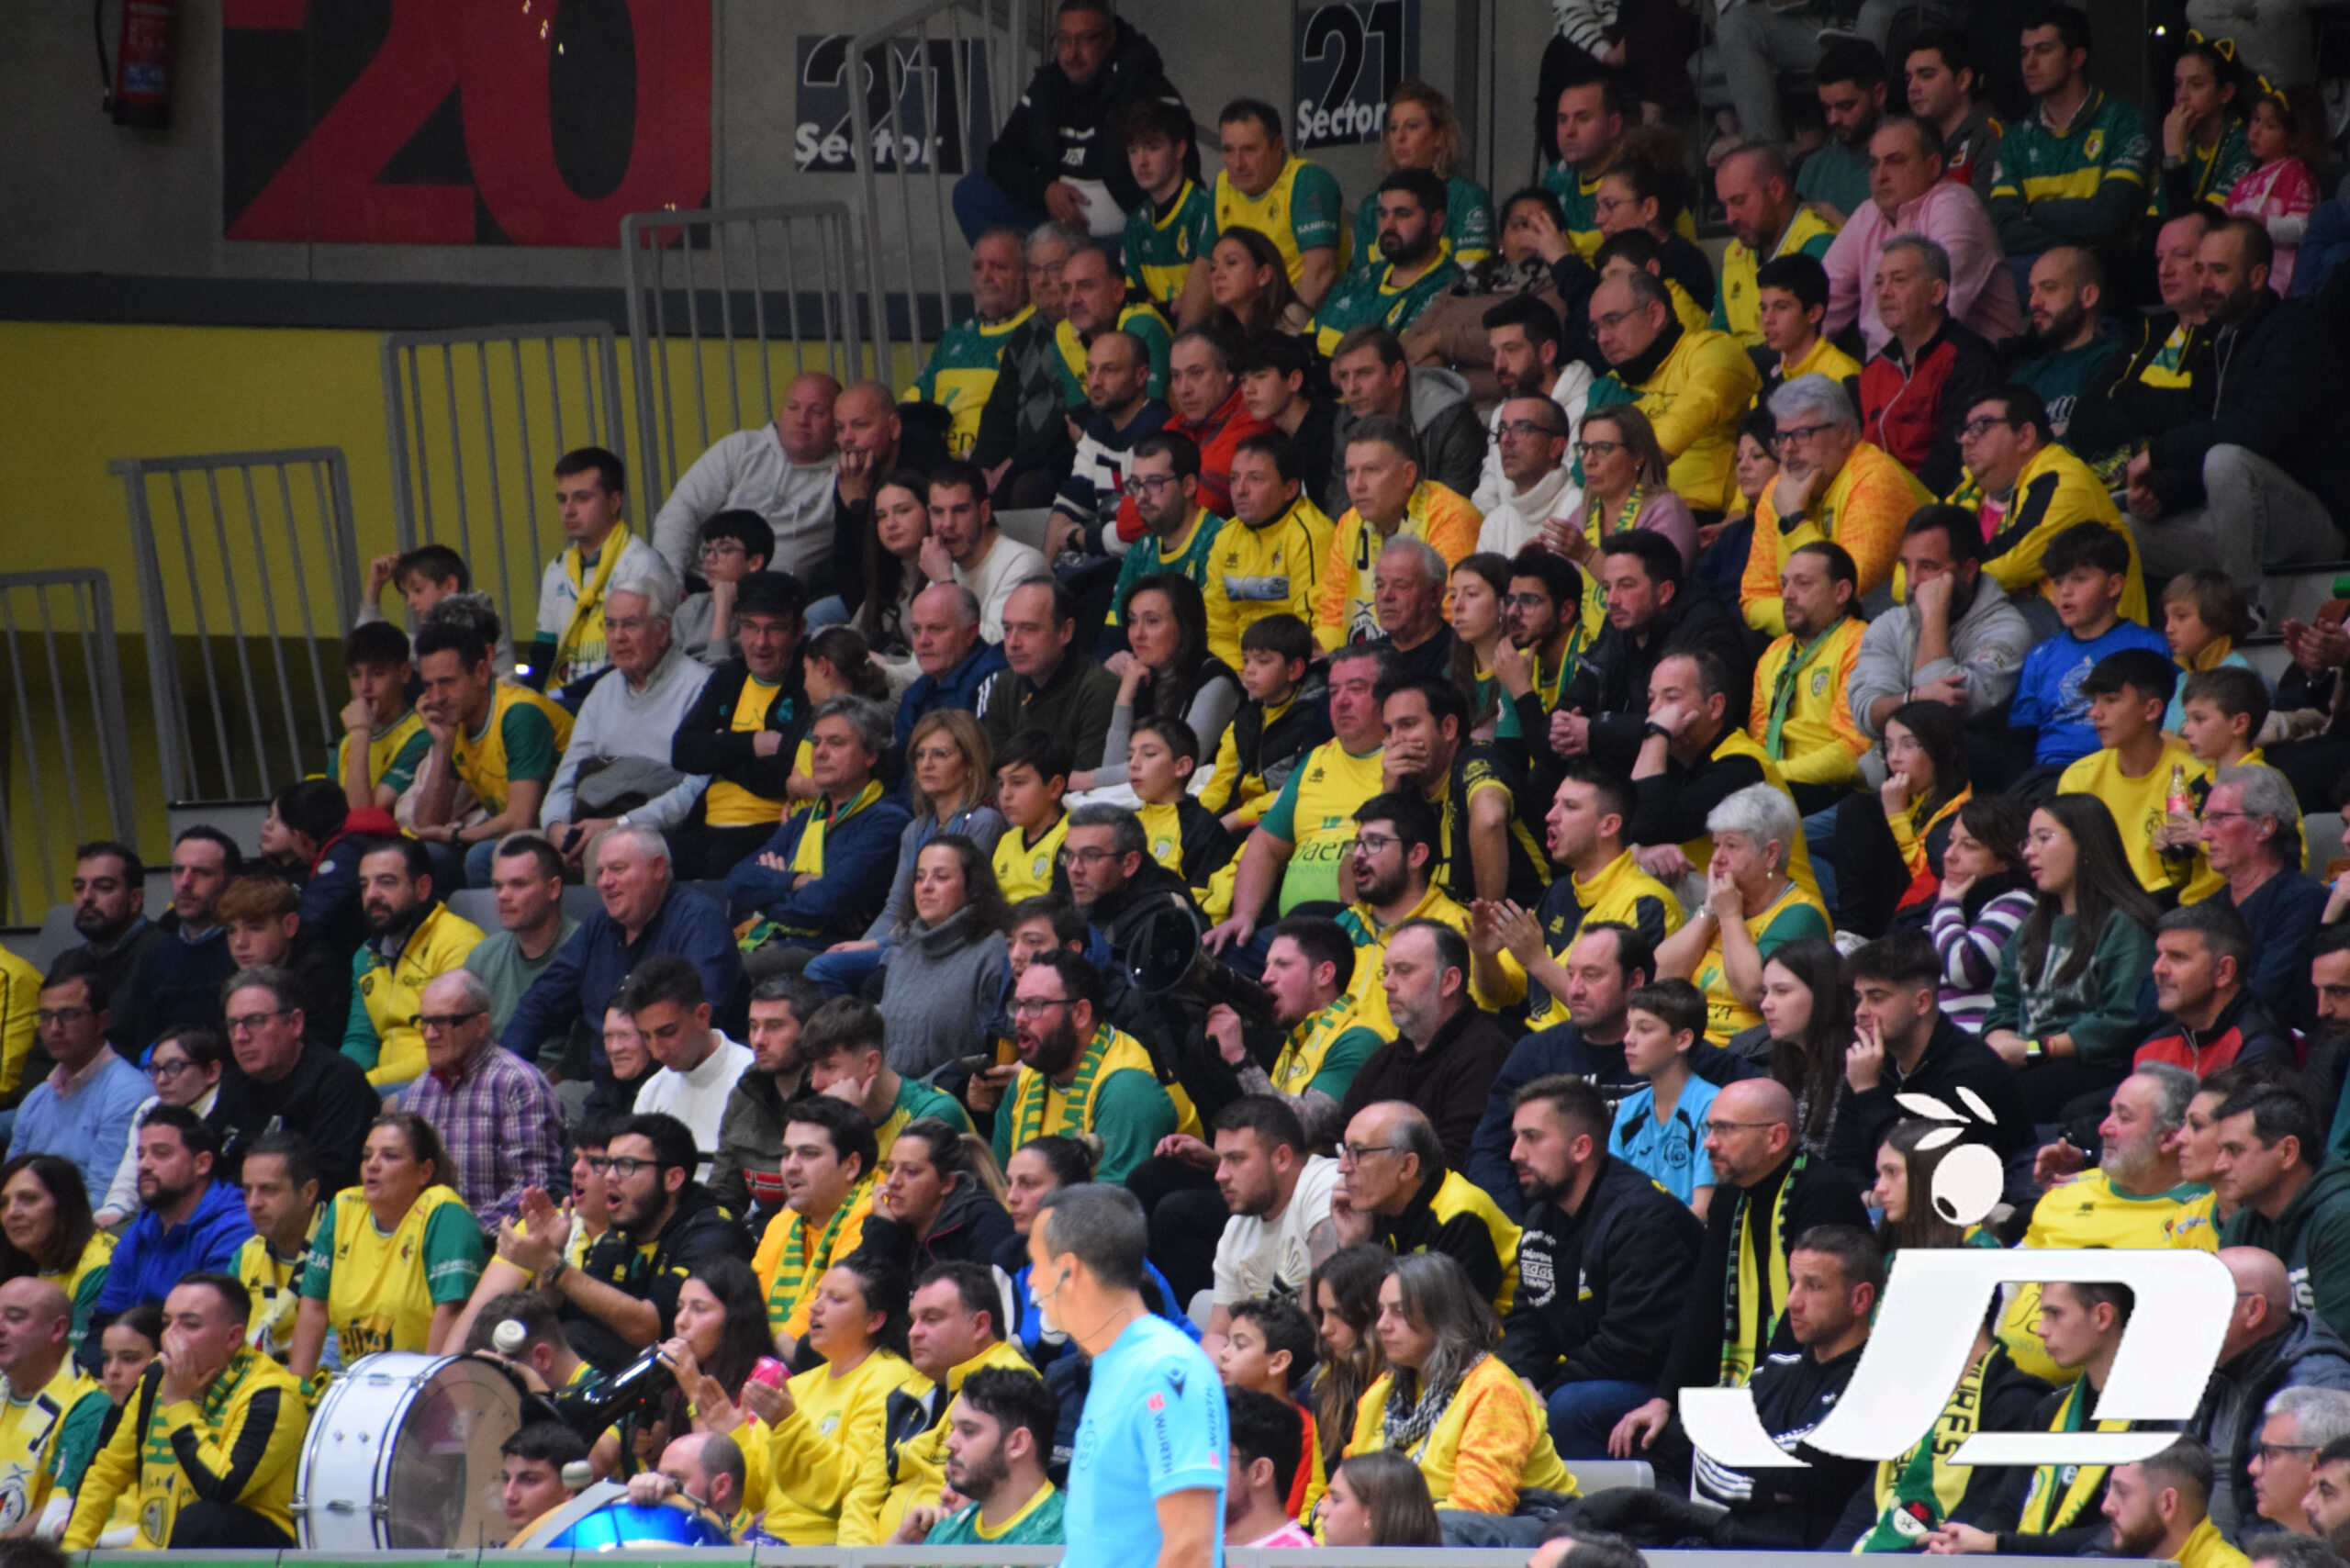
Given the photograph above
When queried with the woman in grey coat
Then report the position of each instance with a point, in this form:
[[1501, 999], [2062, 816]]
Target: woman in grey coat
[[953, 769], [944, 976]]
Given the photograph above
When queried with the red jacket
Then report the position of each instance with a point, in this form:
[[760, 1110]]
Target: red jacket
[[2243, 1032], [1217, 435], [1914, 411]]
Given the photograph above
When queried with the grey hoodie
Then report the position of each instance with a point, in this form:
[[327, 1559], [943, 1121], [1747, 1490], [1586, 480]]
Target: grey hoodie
[[1452, 440], [1989, 643]]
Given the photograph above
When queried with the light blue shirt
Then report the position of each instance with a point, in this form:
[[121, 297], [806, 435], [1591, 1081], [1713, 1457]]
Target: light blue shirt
[[1154, 1424], [91, 1128], [1672, 1153]]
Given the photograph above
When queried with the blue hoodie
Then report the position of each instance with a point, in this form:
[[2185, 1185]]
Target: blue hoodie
[[150, 1261]]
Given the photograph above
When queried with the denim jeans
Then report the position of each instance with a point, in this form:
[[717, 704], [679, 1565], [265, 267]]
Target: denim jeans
[[1583, 1414], [844, 974]]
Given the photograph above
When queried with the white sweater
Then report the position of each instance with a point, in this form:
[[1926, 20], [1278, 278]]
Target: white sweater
[[619, 719], [749, 470], [697, 1098]]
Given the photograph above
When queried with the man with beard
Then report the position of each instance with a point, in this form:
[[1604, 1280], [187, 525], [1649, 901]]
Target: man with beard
[[1851, 81], [1483, 849], [2025, 488], [999, 1439], [1093, 297], [1546, 619], [1078, 1074], [1800, 717], [1277, 1193], [2269, 1349], [1530, 359], [1120, 410], [186, 1219], [2328, 1500], [1416, 265], [623, 1297], [412, 940], [1309, 976], [747, 1175], [2067, 348], [2134, 1199], [1652, 612], [109, 914], [1767, 221], [177, 978], [1121, 888], [960, 373], [1957, 639], [2159, 1510], [1601, 1265], [2257, 482]]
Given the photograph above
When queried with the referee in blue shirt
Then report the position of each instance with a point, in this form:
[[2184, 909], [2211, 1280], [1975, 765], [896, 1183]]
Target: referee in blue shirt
[[1146, 1484]]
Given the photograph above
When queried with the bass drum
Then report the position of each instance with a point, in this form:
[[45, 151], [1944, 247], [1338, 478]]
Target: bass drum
[[402, 1452], [601, 1518]]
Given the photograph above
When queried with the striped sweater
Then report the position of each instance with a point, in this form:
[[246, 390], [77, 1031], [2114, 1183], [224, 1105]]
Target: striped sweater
[[1971, 953]]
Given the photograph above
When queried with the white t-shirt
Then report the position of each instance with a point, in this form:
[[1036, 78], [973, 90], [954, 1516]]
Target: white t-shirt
[[697, 1098], [1274, 1254], [1006, 566]]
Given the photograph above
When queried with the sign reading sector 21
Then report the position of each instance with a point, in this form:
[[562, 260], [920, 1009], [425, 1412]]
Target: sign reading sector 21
[[1925, 1331]]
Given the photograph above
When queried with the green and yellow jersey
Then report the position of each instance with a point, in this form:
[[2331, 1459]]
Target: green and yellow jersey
[[961, 373]]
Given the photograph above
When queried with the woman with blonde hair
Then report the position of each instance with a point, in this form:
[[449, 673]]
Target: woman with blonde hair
[[949, 767], [1624, 487], [1477, 1434], [1423, 133]]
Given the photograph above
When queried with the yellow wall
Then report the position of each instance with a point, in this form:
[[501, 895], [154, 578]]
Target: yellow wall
[[75, 398]]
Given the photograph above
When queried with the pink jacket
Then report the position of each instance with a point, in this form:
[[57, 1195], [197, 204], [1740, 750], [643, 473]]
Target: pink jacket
[[1982, 293]]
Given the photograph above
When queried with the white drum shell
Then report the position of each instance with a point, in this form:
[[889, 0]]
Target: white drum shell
[[342, 1490]]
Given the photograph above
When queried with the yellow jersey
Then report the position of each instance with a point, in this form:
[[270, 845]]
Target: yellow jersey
[[2141, 807], [46, 1438], [1315, 813], [84, 1279], [274, 1285], [1259, 570], [2089, 1212], [789, 1261], [1024, 866], [835, 1430], [726, 803], [1300, 211], [1738, 306], [1794, 913], [1342, 610], [1801, 716], [380, 1288]]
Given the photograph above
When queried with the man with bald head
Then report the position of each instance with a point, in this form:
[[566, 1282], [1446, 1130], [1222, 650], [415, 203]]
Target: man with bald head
[[1766, 221], [875, 442], [703, 1470], [962, 369], [2067, 348], [1121, 408], [2270, 1347], [1394, 1189], [782, 470], [51, 1413], [1908, 195], [1763, 1201]]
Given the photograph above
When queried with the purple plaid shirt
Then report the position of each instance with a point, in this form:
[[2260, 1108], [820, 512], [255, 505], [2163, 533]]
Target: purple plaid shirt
[[502, 1126]]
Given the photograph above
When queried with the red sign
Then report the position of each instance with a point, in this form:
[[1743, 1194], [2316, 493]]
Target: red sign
[[460, 122]]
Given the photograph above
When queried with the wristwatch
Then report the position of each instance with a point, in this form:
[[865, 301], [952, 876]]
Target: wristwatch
[[1653, 728]]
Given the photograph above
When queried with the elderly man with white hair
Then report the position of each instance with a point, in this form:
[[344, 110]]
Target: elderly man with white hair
[[1833, 486], [616, 768], [2252, 837], [498, 1119], [644, 911], [1407, 595]]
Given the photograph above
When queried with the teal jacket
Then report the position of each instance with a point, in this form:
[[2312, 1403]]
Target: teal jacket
[[2312, 1236], [2098, 1007]]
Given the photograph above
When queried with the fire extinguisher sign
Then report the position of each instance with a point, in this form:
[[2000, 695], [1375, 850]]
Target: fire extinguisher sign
[[1350, 58], [452, 122]]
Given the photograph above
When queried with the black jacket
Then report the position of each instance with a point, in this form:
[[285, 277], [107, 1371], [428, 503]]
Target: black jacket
[[2002, 1506], [1564, 1050], [2276, 385], [1598, 1288], [1064, 130], [1822, 1196], [699, 1231], [1611, 690], [2304, 1353], [971, 1228], [326, 1100], [1955, 1059], [747, 1177], [175, 983], [1448, 1080], [1271, 751], [1672, 807], [708, 743], [1791, 1510], [921, 444], [1024, 420], [2005, 1403], [2119, 407]]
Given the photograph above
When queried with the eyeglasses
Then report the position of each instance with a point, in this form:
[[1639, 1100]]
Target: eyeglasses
[[1376, 843], [1973, 429], [1526, 428], [1711, 1127], [623, 1167], [47, 1015], [1141, 485], [1790, 434], [1358, 1151], [1588, 450], [1088, 856], [161, 1070], [438, 1022], [1613, 319], [2272, 1453], [249, 1021], [1029, 1006]]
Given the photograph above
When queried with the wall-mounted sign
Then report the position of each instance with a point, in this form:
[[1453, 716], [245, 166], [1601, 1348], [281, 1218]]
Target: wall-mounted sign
[[942, 74], [1349, 57]]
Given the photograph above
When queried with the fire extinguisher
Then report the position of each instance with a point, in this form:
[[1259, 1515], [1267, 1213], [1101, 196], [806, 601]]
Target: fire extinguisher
[[141, 82]]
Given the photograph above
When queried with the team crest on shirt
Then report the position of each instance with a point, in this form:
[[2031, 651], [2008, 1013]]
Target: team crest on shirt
[[2093, 144], [1161, 848], [1819, 683], [1038, 867]]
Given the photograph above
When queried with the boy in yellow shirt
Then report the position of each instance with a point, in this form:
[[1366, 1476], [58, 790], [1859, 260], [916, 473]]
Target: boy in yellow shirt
[[1184, 837], [1031, 777], [2140, 773]]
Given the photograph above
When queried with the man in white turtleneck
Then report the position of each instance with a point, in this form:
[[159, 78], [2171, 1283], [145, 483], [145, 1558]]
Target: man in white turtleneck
[[1538, 488]]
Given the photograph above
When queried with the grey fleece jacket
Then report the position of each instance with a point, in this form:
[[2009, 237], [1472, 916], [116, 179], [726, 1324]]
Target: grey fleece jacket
[[1452, 439], [1989, 643], [944, 985]]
